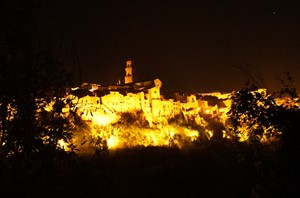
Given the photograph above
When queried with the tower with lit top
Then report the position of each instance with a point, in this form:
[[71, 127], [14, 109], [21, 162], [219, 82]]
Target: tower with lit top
[[128, 74]]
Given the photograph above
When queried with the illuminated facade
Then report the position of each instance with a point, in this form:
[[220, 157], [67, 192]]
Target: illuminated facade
[[95, 101]]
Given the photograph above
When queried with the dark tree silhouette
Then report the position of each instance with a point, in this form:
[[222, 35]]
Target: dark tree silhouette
[[276, 164], [31, 79], [257, 112], [288, 86]]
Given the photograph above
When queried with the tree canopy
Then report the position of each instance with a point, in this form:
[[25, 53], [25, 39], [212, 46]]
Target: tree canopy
[[32, 80]]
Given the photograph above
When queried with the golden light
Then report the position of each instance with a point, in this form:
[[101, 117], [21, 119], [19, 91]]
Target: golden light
[[112, 142], [62, 144], [123, 136], [209, 133], [224, 133], [103, 119]]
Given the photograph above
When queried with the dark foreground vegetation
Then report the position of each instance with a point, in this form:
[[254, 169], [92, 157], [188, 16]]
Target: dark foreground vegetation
[[210, 169]]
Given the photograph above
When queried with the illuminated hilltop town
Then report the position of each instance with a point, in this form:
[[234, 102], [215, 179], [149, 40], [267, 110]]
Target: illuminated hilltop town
[[103, 106], [102, 103]]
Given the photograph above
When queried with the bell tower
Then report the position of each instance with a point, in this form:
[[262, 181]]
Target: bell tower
[[128, 72]]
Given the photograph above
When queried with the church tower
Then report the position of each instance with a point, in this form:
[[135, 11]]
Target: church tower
[[129, 74]]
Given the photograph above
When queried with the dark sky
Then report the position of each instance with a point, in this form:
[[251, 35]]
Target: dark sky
[[189, 45]]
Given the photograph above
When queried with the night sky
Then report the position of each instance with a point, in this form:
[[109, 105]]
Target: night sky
[[189, 45]]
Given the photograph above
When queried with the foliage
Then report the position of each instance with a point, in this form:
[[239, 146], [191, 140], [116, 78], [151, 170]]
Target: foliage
[[186, 121], [133, 118], [256, 117], [144, 172], [218, 129], [287, 86], [99, 145], [31, 80], [253, 115], [189, 122]]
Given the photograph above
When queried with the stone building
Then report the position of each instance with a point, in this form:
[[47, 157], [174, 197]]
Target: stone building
[[96, 101]]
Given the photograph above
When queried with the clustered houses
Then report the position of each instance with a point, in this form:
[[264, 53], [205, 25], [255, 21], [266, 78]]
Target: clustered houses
[[103, 104]]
